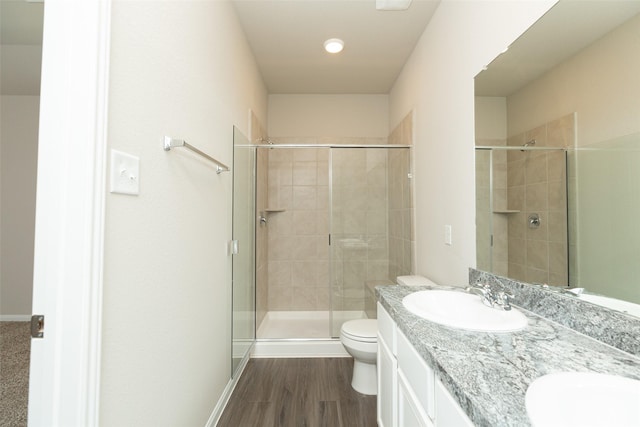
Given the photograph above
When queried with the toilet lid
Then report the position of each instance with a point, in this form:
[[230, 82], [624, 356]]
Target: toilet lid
[[362, 329]]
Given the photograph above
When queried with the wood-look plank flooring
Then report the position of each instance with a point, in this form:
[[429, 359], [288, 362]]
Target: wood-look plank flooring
[[298, 393]]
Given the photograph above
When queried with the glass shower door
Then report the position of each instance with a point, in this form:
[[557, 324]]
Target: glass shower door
[[243, 262], [370, 226]]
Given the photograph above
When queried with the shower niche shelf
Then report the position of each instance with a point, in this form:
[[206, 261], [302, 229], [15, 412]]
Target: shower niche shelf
[[506, 211]]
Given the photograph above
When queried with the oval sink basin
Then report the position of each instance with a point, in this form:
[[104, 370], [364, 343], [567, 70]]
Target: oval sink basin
[[583, 399], [463, 311]]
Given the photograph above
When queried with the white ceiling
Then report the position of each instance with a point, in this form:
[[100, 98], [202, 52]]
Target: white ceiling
[[287, 37], [20, 47]]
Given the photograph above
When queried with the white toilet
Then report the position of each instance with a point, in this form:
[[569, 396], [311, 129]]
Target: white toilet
[[360, 339]]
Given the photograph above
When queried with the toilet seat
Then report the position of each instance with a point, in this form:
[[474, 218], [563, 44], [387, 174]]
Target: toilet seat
[[363, 330]]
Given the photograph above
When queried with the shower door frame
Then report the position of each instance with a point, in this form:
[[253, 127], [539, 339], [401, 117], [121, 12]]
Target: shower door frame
[[243, 264]]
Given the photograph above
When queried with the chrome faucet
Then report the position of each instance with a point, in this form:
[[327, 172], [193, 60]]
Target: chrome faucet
[[492, 297]]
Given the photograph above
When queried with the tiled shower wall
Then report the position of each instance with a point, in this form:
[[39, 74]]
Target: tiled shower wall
[[536, 183], [298, 229]]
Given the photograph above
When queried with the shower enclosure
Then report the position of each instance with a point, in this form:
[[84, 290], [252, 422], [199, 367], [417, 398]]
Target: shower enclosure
[[335, 222]]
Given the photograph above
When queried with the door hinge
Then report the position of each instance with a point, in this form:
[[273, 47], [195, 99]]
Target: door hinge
[[37, 326]]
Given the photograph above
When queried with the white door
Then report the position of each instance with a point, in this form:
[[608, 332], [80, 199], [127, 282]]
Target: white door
[[67, 288]]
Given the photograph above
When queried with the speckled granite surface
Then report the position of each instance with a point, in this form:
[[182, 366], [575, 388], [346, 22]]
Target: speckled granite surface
[[617, 329], [488, 373]]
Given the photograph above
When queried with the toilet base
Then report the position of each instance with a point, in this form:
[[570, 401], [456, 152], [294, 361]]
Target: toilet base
[[365, 378]]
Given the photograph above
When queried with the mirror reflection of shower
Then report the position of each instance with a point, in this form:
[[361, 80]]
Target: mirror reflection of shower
[[521, 175], [521, 213]]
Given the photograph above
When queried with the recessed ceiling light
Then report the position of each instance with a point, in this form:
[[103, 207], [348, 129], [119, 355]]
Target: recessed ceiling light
[[333, 45]]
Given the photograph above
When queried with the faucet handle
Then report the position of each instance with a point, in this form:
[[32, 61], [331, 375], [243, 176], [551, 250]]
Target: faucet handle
[[503, 300], [496, 296]]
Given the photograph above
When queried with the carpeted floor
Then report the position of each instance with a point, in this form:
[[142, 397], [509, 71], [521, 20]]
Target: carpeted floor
[[15, 342]]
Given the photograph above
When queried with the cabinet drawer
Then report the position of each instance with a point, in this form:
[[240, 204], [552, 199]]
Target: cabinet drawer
[[387, 328], [449, 413], [411, 411], [418, 374]]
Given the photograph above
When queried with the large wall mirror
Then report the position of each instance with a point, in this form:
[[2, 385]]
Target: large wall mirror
[[558, 152]]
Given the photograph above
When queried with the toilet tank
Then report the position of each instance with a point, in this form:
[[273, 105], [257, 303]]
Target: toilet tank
[[370, 296], [414, 281]]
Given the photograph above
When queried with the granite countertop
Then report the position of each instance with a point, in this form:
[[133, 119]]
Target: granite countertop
[[488, 373]]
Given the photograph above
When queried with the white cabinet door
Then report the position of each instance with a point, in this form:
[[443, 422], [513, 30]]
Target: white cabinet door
[[418, 375], [410, 410], [448, 412], [409, 394], [387, 385]]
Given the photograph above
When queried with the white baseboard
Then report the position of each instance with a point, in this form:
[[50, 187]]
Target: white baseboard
[[15, 317], [226, 394], [299, 348]]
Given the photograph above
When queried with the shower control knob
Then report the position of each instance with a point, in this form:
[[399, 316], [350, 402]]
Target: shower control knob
[[534, 220]]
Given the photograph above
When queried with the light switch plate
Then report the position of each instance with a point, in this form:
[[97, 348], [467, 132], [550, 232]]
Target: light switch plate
[[125, 173]]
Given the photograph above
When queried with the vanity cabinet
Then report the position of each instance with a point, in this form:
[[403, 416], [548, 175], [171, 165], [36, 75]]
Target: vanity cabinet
[[409, 392], [387, 367]]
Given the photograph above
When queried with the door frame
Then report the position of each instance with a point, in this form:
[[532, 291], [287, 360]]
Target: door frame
[[64, 383]]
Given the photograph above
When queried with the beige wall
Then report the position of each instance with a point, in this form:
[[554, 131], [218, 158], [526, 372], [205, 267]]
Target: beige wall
[[358, 116], [181, 69], [437, 82], [600, 83], [18, 154], [490, 118]]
